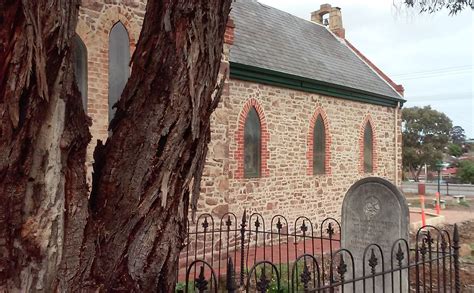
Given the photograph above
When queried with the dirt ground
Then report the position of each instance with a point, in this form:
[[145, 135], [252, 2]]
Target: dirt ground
[[467, 262], [463, 215]]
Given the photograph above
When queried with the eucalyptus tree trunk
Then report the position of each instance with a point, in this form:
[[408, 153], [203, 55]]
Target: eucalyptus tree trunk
[[128, 234], [43, 139]]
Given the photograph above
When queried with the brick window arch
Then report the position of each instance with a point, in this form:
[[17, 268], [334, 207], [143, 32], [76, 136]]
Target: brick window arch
[[318, 146], [248, 129], [368, 147], [119, 60]]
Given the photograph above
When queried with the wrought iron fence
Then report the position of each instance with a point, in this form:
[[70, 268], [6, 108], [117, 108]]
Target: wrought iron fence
[[231, 255]]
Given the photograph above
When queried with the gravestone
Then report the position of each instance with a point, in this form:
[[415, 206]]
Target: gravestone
[[374, 211]]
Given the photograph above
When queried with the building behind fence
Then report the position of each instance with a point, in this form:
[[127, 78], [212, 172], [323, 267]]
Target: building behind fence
[[248, 254]]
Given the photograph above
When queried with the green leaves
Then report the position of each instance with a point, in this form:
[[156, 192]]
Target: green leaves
[[426, 133], [454, 150], [466, 172], [432, 6]]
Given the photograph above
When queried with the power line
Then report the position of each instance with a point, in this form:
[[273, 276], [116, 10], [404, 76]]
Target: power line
[[435, 75], [438, 70], [447, 96]]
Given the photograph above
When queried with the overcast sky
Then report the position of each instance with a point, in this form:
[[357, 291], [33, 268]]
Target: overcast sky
[[431, 55]]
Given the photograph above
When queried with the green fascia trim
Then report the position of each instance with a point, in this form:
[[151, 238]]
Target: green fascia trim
[[271, 77]]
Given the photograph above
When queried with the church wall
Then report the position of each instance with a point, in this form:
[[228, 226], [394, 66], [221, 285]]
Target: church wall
[[289, 188], [287, 185]]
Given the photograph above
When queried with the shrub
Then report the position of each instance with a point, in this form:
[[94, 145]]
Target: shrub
[[466, 172]]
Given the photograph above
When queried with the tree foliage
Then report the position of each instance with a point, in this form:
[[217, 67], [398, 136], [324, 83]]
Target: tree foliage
[[466, 172], [454, 150], [431, 6], [425, 136], [457, 135]]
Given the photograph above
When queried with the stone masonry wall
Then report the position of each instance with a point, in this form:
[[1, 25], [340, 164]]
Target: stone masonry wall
[[96, 19], [287, 186]]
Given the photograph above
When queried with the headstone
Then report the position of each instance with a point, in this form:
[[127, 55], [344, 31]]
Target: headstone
[[374, 211]]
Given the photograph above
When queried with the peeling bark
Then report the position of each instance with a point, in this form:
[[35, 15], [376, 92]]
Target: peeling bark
[[160, 135], [128, 235], [39, 107]]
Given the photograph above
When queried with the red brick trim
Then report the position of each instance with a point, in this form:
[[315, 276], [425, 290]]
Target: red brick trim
[[84, 31], [239, 138], [309, 151], [110, 17], [367, 118], [229, 32]]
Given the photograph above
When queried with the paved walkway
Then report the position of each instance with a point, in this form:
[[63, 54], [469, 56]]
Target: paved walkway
[[447, 217], [454, 216], [269, 253]]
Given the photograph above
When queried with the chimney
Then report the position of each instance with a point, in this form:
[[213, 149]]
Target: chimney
[[229, 32], [334, 19]]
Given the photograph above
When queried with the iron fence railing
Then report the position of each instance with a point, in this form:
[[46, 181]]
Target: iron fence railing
[[231, 255]]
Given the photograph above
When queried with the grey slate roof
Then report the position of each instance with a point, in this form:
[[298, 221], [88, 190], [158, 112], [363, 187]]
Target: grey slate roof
[[269, 38]]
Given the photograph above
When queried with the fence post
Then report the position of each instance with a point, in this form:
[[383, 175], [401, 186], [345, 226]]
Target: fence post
[[242, 247], [456, 246], [230, 283]]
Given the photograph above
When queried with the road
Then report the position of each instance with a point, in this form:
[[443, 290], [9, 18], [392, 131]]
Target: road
[[431, 188]]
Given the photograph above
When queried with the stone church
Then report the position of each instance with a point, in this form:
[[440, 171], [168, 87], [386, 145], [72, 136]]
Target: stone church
[[303, 116]]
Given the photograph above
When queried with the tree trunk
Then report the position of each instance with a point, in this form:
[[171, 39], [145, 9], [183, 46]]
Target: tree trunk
[[128, 236], [144, 173], [418, 171], [43, 142], [415, 173]]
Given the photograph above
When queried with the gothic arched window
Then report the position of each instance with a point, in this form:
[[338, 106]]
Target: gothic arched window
[[119, 60], [368, 148], [252, 145], [79, 52], [319, 146]]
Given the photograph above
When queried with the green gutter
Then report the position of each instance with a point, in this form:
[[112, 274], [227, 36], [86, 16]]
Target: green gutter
[[271, 77]]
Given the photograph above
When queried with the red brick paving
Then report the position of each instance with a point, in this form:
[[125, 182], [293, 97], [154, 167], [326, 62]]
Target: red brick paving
[[255, 254]]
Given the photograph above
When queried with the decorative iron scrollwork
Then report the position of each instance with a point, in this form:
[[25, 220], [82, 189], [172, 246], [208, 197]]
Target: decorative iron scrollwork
[[373, 262], [257, 223], [305, 276], [279, 225], [342, 267], [263, 283], [201, 282], [423, 248], [228, 223], [205, 224], [330, 230], [304, 228], [400, 255]]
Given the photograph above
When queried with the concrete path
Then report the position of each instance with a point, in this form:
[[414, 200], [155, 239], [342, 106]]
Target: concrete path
[[448, 217]]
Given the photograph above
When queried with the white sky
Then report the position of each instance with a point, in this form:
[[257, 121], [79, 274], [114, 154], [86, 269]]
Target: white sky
[[431, 55]]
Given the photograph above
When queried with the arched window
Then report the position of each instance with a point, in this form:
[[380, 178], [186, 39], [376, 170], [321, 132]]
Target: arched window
[[319, 146], [368, 148], [252, 145], [79, 52], [119, 59]]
